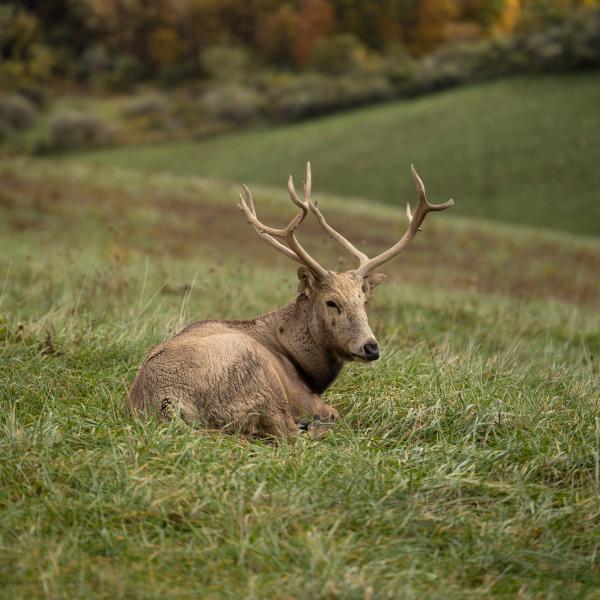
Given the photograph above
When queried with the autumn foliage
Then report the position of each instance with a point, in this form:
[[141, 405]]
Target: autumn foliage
[[137, 39]]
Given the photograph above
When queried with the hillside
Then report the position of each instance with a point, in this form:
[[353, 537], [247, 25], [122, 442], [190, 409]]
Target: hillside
[[465, 463], [521, 150]]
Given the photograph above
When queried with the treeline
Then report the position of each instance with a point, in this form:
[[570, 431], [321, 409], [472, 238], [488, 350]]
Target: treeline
[[116, 43], [193, 68]]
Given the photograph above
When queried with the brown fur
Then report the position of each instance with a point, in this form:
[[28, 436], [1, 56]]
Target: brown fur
[[260, 377]]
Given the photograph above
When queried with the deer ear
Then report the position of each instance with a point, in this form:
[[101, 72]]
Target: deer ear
[[373, 280], [307, 282]]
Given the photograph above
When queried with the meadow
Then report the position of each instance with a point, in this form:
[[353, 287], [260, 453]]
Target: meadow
[[520, 150], [466, 463]]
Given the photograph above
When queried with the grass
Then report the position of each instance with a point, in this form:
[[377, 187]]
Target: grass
[[466, 463], [518, 150]]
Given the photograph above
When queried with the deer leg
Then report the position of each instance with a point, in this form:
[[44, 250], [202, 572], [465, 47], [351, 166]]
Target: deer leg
[[323, 411], [310, 406], [268, 413], [278, 425]]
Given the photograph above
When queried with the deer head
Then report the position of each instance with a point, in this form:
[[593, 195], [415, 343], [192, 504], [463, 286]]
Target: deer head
[[338, 318]]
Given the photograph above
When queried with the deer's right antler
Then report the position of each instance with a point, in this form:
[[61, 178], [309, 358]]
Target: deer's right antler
[[293, 249]]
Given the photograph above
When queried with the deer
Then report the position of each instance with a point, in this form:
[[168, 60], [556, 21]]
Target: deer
[[265, 377]]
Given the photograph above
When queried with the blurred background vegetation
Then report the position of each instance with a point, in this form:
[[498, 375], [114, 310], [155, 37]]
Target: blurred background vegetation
[[89, 74], [96, 72]]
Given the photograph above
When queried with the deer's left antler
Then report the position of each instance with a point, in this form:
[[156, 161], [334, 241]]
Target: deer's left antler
[[416, 220]]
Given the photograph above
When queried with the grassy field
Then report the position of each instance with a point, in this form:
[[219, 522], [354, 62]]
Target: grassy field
[[466, 463], [521, 150]]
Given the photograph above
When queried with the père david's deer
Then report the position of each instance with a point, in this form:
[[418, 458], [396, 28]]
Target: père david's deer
[[264, 376]]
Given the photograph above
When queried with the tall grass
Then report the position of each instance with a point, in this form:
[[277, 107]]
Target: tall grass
[[465, 464]]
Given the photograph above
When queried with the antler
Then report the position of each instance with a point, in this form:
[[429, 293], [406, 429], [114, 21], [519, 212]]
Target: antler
[[296, 252], [293, 249], [338, 237], [423, 207]]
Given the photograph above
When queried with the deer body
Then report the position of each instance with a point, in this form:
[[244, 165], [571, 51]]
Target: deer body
[[263, 376], [259, 377]]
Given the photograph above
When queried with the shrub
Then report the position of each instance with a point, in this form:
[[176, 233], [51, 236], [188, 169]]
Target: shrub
[[225, 62], [572, 44], [16, 112], [451, 66], [356, 91], [298, 97], [73, 129], [546, 50], [148, 105], [538, 14], [339, 55], [232, 102], [94, 63], [34, 93], [5, 130], [125, 71], [583, 33]]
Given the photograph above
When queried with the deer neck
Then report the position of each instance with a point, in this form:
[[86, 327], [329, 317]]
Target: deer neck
[[289, 327]]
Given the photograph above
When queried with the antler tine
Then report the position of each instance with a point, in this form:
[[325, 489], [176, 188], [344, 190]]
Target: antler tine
[[307, 183], [248, 195], [293, 249], [423, 197], [415, 221], [338, 237], [251, 216]]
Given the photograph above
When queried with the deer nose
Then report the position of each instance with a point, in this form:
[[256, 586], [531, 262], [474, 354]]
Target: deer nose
[[371, 350]]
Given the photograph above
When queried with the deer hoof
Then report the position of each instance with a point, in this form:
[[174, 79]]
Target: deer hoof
[[303, 425], [328, 415]]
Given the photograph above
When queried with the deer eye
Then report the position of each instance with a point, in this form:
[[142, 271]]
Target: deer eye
[[332, 304]]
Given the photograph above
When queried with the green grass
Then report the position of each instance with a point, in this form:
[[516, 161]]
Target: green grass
[[466, 463], [518, 150]]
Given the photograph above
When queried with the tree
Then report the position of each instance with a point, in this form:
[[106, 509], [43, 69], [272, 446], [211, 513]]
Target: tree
[[430, 21], [275, 35], [315, 21]]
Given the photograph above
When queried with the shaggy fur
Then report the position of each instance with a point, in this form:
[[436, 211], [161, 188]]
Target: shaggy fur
[[261, 377]]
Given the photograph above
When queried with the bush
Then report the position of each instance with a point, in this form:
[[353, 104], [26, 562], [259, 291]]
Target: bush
[[94, 63], [546, 50], [16, 113], [295, 97], [451, 66], [339, 55], [72, 129], [5, 131], [232, 102], [35, 93], [356, 91], [298, 97], [584, 34], [581, 40], [124, 72], [573, 44], [148, 105], [225, 62]]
